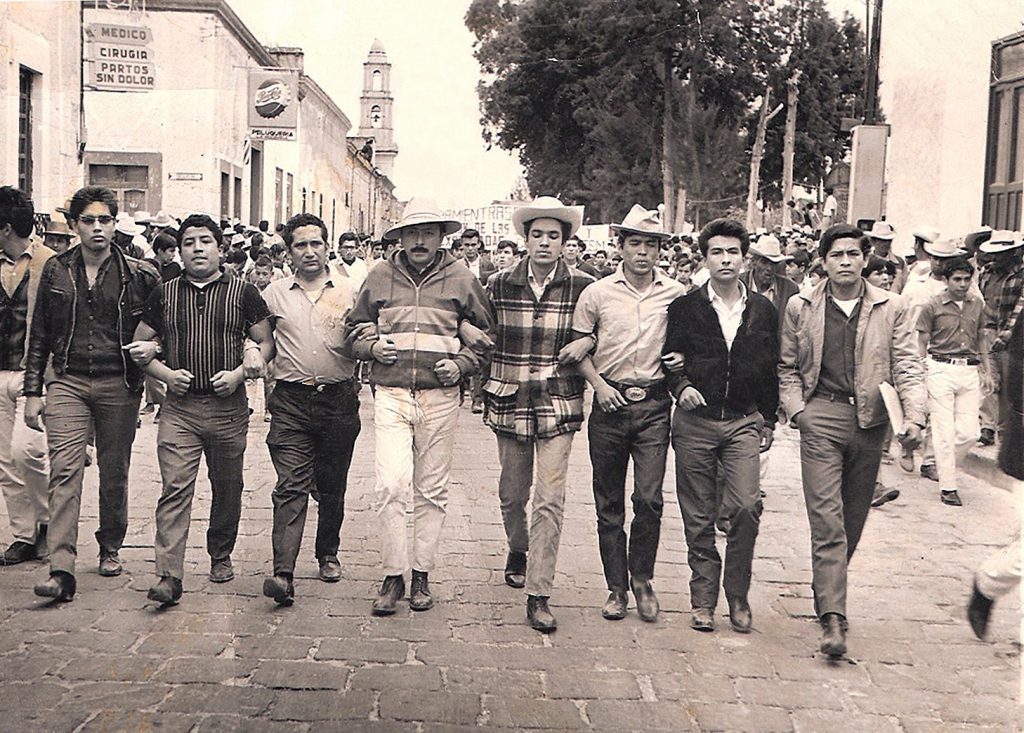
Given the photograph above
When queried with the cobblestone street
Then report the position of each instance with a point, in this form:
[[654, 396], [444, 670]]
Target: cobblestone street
[[228, 659]]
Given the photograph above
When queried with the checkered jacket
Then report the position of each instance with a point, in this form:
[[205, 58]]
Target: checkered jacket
[[527, 394]]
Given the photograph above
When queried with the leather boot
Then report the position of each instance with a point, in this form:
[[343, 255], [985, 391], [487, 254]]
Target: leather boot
[[539, 616], [833, 638], [646, 602], [515, 569], [280, 588], [166, 592], [419, 596], [616, 605], [391, 590], [61, 586]]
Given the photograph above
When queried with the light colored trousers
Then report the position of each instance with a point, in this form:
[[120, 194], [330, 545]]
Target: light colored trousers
[[1000, 573], [415, 440], [24, 465], [544, 534], [954, 398]]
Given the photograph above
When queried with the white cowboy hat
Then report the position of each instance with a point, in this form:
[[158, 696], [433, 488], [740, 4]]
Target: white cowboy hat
[[126, 225], [944, 248], [162, 219], [421, 210], [1002, 240], [547, 207], [928, 234], [143, 217], [881, 230], [642, 221], [770, 248]]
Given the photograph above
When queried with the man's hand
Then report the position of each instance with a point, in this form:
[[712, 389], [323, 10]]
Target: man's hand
[[575, 351], [447, 372], [608, 398], [384, 351], [910, 438], [767, 438], [253, 365], [691, 399], [34, 413], [475, 338], [227, 381], [180, 381], [142, 352], [673, 362]]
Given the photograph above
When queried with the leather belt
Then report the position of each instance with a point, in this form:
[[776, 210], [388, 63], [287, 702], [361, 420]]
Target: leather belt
[[835, 397], [957, 360], [636, 393], [322, 387]]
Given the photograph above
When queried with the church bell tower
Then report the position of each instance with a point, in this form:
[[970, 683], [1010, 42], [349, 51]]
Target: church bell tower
[[375, 114]]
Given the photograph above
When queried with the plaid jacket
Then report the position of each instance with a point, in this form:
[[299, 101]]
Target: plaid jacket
[[527, 394], [1002, 290]]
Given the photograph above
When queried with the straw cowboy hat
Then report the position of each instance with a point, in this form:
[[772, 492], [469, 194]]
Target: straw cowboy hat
[[882, 230], [927, 234], [944, 248], [547, 207], [126, 225], [421, 210], [1002, 240], [642, 221], [57, 226], [143, 217], [770, 248], [161, 220]]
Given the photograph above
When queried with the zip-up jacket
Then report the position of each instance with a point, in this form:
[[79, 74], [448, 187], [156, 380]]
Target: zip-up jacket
[[737, 380], [421, 319], [53, 320]]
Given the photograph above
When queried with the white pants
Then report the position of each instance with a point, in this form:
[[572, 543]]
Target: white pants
[[415, 440], [954, 398], [1000, 573], [24, 464]]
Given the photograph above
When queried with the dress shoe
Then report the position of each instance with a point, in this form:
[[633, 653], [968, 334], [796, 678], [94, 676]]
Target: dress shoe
[[616, 605], [280, 589], [883, 494], [42, 547], [61, 587], [833, 637], [391, 590], [110, 563], [950, 497], [979, 609], [18, 552], [740, 617], [646, 602], [906, 460], [987, 437], [330, 569], [221, 571], [166, 592], [515, 569], [539, 616], [419, 595], [929, 471], [702, 619]]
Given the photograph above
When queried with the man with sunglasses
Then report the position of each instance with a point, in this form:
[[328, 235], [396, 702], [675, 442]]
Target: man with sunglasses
[[90, 300]]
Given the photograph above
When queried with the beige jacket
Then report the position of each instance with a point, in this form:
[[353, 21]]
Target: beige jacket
[[39, 254], [886, 351]]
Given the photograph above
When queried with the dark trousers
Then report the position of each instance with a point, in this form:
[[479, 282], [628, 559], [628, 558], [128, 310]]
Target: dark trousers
[[709, 452], [311, 439], [640, 431], [73, 404], [839, 462], [191, 427]]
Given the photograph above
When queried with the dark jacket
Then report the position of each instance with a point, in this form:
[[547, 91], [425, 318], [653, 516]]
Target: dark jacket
[[784, 290], [53, 321], [741, 379]]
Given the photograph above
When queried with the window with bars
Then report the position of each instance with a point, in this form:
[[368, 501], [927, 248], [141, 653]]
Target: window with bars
[[25, 131]]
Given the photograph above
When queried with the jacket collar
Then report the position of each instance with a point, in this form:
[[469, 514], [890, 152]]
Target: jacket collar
[[872, 296], [74, 255], [521, 272]]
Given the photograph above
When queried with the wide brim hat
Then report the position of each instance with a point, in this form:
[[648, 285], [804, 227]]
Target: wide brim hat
[[927, 234], [126, 225], [421, 210], [547, 207], [162, 219], [882, 230], [642, 221], [143, 217], [1002, 240], [770, 248], [57, 226], [944, 248]]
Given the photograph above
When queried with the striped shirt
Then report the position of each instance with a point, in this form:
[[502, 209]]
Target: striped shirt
[[203, 329]]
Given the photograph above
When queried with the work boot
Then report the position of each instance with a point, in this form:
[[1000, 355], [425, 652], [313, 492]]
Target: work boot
[[391, 590], [539, 616], [419, 595], [833, 638], [60, 587], [110, 563], [646, 602], [166, 592], [616, 605], [280, 589]]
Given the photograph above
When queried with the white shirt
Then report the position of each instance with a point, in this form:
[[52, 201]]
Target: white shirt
[[356, 271], [830, 207], [539, 288], [729, 317], [474, 267]]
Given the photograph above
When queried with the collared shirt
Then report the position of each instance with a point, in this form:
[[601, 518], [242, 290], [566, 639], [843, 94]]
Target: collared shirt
[[729, 316], [310, 333], [629, 325], [539, 287], [839, 344], [95, 348], [473, 266], [12, 271], [952, 327], [203, 328], [356, 272]]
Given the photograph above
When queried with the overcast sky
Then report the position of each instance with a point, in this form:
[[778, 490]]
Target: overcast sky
[[433, 80]]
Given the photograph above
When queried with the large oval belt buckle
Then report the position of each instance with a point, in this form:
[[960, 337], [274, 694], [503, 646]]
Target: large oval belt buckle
[[636, 394]]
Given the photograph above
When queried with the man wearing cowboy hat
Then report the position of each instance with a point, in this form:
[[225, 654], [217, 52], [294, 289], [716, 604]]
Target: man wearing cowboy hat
[[881, 235], [125, 231], [57, 235], [416, 300], [533, 399], [626, 314], [765, 274]]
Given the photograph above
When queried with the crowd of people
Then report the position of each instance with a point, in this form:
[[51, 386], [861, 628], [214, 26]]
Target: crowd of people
[[700, 343]]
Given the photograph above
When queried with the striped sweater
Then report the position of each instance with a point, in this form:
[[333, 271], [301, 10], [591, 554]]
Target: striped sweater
[[422, 319]]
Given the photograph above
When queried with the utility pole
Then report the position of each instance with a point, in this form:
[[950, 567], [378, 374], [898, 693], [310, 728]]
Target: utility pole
[[668, 153], [757, 154], [788, 146], [871, 81]]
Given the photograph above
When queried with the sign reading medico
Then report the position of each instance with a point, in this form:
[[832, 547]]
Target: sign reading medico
[[273, 104], [119, 58]]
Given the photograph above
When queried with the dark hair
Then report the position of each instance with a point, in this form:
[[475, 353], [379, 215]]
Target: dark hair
[[566, 226], [263, 261], [201, 221], [164, 241], [506, 244], [878, 264], [946, 266], [346, 237], [469, 234], [829, 190], [263, 226], [817, 269], [801, 259], [842, 231], [236, 257], [303, 220], [91, 195], [16, 209], [723, 228]]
